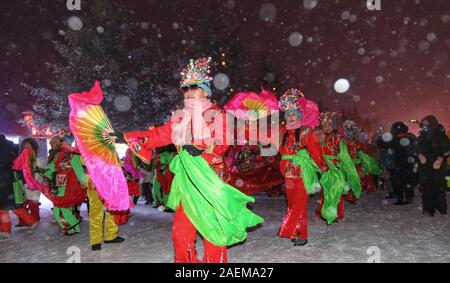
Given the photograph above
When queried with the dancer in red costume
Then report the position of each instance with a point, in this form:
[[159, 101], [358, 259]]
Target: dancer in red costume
[[252, 173], [202, 200], [355, 147], [367, 181], [68, 182], [330, 146], [11, 190], [351, 132], [298, 145]]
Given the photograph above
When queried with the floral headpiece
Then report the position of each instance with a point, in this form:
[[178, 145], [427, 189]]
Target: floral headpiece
[[56, 141], [197, 73], [328, 117], [351, 128], [66, 135], [291, 100]]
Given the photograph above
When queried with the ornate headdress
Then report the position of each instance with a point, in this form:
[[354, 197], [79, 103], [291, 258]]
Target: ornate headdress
[[56, 141], [351, 128], [329, 117], [66, 135], [290, 100], [293, 100], [197, 73]]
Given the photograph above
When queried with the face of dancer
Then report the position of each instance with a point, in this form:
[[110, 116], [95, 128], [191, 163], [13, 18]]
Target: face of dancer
[[351, 136], [328, 127], [292, 118], [68, 141], [194, 93]]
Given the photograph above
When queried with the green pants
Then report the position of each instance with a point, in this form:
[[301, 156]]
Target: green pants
[[65, 217]]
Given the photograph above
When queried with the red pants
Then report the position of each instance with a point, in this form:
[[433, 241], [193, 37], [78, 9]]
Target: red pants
[[33, 208], [295, 223], [340, 207], [24, 217], [351, 198], [184, 235], [368, 184]]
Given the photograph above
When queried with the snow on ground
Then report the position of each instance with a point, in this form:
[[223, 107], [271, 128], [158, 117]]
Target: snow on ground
[[400, 234]]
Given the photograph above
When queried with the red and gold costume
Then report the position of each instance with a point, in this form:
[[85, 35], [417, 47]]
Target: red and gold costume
[[209, 207], [295, 223], [293, 140], [330, 146], [354, 147], [184, 233], [252, 173]]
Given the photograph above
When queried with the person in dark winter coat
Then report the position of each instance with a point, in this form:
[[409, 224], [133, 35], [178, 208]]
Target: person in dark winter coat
[[387, 162], [404, 150], [434, 148], [7, 201]]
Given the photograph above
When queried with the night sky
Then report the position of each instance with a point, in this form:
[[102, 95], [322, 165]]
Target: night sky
[[397, 59]]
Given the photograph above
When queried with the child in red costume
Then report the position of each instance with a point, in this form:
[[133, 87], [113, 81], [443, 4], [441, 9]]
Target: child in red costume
[[330, 146], [354, 145], [296, 137]]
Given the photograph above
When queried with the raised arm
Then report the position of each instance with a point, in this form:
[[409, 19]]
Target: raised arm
[[143, 143]]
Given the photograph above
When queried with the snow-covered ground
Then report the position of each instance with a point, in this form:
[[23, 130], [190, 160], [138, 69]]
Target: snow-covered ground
[[372, 227]]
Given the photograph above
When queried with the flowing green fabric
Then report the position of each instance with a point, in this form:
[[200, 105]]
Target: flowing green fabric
[[369, 164], [165, 158], [77, 167], [333, 184], [19, 194], [309, 169], [217, 210], [347, 167]]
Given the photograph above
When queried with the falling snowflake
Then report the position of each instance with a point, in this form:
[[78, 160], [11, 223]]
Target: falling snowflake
[[75, 23]]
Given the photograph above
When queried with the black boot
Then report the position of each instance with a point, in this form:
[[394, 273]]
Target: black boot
[[400, 202], [96, 247], [427, 213], [409, 201], [300, 242], [117, 240], [390, 196]]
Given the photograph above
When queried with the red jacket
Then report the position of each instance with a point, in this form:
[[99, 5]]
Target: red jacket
[[331, 144], [289, 146], [354, 147], [213, 151]]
